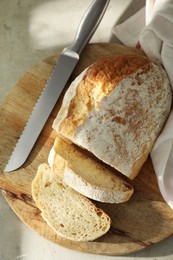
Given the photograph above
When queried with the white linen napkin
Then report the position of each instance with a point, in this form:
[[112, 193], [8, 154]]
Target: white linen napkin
[[151, 29]]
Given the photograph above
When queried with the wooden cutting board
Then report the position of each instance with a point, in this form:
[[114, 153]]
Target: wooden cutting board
[[139, 223]]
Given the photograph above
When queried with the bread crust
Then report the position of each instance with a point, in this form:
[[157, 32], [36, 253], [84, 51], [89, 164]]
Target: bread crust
[[116, 110]]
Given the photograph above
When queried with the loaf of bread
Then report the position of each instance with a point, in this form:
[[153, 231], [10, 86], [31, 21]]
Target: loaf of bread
[[69, 213], [86, 175], [115, 109]]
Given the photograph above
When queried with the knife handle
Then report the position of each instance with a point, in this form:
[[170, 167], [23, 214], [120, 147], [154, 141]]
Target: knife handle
[[88, 25]]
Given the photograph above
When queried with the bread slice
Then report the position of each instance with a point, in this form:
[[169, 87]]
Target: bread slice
[[86, 175], [116, 109], [69, 213]]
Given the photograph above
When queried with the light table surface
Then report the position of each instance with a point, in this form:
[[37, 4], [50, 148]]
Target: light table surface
[[29, 32]]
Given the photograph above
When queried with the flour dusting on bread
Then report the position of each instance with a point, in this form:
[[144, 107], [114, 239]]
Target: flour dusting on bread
[[118, 108]]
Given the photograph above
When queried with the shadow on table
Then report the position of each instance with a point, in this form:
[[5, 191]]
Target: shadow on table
[[10, 232]]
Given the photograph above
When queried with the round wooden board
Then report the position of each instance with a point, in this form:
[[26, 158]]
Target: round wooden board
[[141, 222]]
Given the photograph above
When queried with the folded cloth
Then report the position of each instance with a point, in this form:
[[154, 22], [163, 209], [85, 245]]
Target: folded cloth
[[152, 30], [129, 31]]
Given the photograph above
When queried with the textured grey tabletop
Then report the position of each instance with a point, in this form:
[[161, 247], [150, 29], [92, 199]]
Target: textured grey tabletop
[[31, 31]]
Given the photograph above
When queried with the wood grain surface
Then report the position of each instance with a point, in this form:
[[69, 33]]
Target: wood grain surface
[[139, 223]]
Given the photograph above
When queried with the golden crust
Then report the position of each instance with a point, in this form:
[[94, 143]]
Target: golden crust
[[118, 108], [111, 70], [99, 81]]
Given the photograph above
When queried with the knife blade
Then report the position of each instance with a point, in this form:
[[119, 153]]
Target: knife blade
[[60, 75]]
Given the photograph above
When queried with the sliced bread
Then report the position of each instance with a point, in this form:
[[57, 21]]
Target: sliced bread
[[86, 175], [69, 213]]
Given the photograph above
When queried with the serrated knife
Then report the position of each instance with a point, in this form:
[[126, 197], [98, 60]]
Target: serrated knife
[[63, 69]]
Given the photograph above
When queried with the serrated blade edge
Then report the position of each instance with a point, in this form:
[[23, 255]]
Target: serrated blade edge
[[42, 109]]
